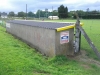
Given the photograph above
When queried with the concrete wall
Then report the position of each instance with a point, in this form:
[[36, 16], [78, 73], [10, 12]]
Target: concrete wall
[[65, 48], [47, 41], [40, 38]]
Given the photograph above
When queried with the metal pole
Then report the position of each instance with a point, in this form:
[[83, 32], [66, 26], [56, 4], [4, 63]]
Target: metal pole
[[79, 40], [26, 11], [52, 12], [39, 14]]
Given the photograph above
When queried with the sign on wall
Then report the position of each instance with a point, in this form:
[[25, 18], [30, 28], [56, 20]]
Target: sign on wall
[[8, 25], [64, 37]]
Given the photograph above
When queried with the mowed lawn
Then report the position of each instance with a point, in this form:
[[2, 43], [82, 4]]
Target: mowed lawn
[[92, 28], [17, 58]]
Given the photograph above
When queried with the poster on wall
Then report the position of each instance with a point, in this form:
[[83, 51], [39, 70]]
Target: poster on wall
[[64, 37], [8, 25]]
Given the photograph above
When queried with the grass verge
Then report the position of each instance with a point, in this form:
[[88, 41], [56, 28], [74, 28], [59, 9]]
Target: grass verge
[[17, 58]]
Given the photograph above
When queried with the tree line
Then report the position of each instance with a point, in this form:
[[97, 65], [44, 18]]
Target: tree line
[[38, 14], [88, 14], [61, 12]]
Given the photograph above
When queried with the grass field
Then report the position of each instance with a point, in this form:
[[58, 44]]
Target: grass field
[[17, 58], [92, 29]]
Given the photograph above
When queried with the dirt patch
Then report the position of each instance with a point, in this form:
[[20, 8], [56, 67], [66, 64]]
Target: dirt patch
[[82, 57], [36, 73], [86, 66]]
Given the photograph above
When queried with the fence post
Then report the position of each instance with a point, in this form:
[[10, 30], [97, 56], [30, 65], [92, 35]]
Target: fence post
[[78, 30], [77, 36]]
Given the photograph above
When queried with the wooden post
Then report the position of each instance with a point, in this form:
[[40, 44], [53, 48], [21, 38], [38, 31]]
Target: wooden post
[[78, 29], [89, 42], [77, 36]]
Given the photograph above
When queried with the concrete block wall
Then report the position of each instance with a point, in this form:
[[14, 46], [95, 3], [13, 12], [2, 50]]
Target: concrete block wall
[[40, 38], [66, 48], [47, 41]]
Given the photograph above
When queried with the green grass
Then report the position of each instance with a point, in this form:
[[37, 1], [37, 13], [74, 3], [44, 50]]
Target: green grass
[[17, 58], [92, 29]]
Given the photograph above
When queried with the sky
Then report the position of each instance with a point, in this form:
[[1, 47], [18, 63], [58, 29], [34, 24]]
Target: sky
[[34, 5]]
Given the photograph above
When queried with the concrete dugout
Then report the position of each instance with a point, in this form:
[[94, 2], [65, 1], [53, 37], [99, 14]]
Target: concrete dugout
[[49, 38]]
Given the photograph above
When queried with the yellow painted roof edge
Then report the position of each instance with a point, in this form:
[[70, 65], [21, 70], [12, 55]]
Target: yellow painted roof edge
[[67, 27]]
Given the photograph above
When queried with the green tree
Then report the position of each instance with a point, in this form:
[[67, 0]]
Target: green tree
[[80, 12], [21, 14], [11, 14], [62, 12], [40, 13], [66, 12], [31, 14], [55, 13], [95, 12]]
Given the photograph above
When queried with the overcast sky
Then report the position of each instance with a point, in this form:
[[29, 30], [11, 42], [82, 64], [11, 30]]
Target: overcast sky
[[34, 5]]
